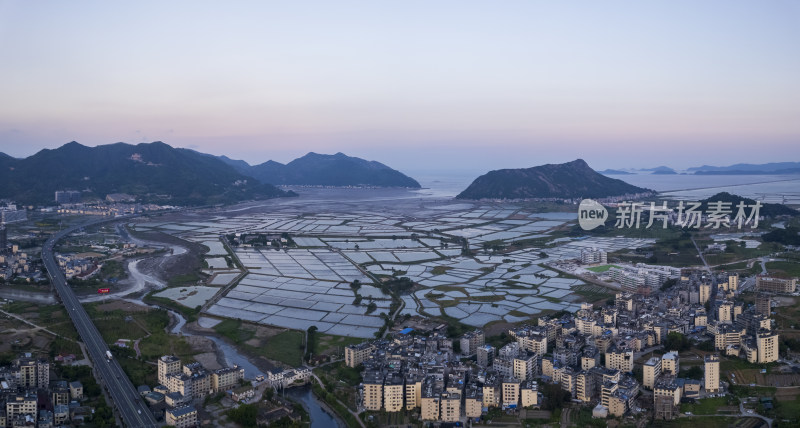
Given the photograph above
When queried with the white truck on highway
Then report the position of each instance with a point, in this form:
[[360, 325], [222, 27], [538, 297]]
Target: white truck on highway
[[108, 355]]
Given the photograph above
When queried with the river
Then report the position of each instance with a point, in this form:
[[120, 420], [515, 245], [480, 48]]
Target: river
[[319, 417]]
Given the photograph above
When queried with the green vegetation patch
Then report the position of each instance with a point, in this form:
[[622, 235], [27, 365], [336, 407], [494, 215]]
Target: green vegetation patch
[[440, 270], [233, 330], [707, 406], [601, 269], [787, 268], [286, 347]]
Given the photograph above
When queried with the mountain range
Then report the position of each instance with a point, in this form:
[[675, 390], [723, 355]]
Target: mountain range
[[316, 169], [153, 172], [568, 180], [772, 168]]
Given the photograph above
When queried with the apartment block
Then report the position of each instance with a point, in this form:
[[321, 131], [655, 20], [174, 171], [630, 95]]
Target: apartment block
[[620, 359], [357, 354], [168, 364], [182, 417], [711, 366], [652, 370], [771, 284]]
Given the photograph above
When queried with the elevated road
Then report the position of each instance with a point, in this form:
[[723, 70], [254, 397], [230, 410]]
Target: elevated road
[[125, 399]]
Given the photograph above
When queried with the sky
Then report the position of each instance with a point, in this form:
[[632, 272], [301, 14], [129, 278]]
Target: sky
[[418, 85]]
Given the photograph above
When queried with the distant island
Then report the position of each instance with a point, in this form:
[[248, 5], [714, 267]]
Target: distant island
[[615, 172], [773, 168], [315, 169], [150, 172], [558, 181], [661, 170]]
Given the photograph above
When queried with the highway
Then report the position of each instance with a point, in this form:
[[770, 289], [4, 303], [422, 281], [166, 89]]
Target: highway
[[125, 399]]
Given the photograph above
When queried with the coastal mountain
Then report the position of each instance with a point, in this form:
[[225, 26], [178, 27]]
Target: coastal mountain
[[568, 180], [316, 169], [154, 172], [772, 168]]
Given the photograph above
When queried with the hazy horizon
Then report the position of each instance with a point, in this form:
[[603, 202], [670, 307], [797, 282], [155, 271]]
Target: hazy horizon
[[416, 85]]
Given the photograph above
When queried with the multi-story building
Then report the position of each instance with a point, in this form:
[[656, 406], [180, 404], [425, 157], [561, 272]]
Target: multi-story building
[[504, 366], [670, 363], [180, 383], [764, 304], [771, 284], [413, 392], [762, 347], [201, 384], [510, 389], [473, 402], [76, 390], [430, 400], [525, 365], [67, 196], [60, 414], [568, 379], [652, 370], [590, 358], [33, 372], [624, 301], [168, 364], [700, 317], [471, 341], [593, 256], [226, 378], [27, 372], [607, 389], [182, 417], [731, 285], [726, 335], [617, 405], [59, 393], [585, 386], [705, 293], [711, 366], [357, 354], [485, 355], [492, 393], [620, 359], [529, 394], [393, 393], [533, 340], [669, 388], [373, 390], [725, 312], [450, 407], [42, 373], [21, 405]]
